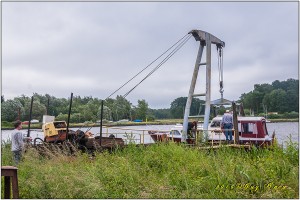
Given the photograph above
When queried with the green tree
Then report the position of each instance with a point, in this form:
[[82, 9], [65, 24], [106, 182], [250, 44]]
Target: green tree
[[91, 109], [292, 100], [10, 110], [111, 104], [58, 105], [41, 98], [38, 109], [22, 99], [263, 88], [178, 106], [61, 117], [289, 84], [277, 101], [107, 114], [164, 113], [75, 118], [76, 104], [121, 108], [286, 92], [142, 109]]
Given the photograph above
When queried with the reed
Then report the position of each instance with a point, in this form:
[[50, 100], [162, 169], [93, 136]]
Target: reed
[[163, 170]]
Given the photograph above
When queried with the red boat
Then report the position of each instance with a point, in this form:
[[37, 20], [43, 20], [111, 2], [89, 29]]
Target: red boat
[[252, 130]]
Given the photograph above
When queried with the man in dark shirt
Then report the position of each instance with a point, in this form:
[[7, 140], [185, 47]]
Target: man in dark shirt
[[192, 128]]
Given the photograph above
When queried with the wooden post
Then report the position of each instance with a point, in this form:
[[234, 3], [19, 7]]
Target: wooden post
[[69, 115], [10, 174], [48, 107], [242, 109], [235, 124], [101, 120], [30, 114]]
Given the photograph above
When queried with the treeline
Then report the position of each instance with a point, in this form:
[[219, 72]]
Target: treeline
[[280, 97], [88, 109], [83, 109]]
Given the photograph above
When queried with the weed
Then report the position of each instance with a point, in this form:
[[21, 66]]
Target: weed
[[163, 170]]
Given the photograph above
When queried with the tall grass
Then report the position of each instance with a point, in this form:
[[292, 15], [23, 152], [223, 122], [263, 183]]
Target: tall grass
[[161, 171]]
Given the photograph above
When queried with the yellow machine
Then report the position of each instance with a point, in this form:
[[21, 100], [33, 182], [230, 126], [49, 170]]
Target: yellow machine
[[55, 130]]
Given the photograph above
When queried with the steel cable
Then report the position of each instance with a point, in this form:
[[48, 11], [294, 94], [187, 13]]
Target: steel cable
[[220, 69], [147, 66], [160, 64]]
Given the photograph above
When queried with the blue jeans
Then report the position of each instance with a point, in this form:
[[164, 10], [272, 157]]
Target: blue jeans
[[17, 156], [228, 131]]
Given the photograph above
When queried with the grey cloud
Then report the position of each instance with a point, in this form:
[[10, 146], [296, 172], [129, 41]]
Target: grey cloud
[[98, 46]]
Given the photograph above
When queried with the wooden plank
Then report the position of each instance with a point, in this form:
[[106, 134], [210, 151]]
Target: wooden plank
[[235, 124]]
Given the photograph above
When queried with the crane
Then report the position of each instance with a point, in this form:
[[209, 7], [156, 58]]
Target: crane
[[205, 39]]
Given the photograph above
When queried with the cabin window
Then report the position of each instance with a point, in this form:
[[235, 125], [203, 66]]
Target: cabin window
[[264, 125], [247, 127], [215, 124], [174, 132]]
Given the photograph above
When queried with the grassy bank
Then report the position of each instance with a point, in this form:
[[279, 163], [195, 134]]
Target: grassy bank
[[160, 171]]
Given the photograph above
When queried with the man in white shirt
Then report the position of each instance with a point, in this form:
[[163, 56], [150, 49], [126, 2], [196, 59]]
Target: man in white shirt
[[227, 124], [17, 142]]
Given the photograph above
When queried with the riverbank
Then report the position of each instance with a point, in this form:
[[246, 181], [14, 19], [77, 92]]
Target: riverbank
[[9, 126], [160, 171]]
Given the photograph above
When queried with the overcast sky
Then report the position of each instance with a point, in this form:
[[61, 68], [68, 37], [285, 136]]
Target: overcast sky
[[92, 48]]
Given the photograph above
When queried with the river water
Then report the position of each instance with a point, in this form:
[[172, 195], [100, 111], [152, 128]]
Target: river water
[[285, 132]]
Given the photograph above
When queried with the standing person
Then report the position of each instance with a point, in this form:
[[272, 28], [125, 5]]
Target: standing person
[[227, 124], [17, 142], [192, 128]]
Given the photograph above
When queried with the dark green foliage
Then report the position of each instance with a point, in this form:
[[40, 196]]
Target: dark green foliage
[[142, 110], [280, 96], [178, 107], [161, 113], [119, 108], [10, 110]]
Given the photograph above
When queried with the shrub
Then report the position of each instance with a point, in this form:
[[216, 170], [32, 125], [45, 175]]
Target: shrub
[[6, 124]]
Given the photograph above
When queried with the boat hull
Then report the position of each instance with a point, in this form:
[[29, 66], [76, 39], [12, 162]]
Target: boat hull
[[109, 142], [163, 137]]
